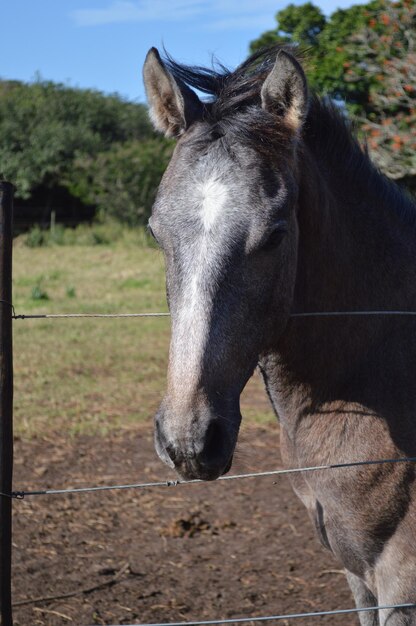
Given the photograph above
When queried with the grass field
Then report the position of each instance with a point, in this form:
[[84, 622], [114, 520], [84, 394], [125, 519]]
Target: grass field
[[91, 375]]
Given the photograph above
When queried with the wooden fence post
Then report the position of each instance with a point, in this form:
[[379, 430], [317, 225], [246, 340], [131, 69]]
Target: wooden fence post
[[6, 400]]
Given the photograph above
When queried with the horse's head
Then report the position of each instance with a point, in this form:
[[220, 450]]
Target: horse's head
[[225, 218]]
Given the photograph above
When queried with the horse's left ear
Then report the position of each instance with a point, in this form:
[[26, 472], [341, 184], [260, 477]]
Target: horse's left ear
[[285, 92], [172, 105]]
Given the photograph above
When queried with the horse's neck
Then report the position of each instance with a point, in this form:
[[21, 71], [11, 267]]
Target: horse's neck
[[354, 253]]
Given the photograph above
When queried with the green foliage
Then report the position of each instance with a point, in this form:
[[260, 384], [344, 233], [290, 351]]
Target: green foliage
[[322, 38], [383, 55], [44, 127], [331, 59], [97, 234], [295, 24], [123, 180], [38, 292], [302, 24], [36, 238]]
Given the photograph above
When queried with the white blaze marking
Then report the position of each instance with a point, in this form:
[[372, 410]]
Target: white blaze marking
[[191, 328], [214, 196], [190, 332]]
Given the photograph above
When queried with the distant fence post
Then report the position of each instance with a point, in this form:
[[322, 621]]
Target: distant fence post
[[6, 400]]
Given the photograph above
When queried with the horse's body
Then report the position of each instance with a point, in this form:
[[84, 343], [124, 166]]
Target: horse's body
[[270, 207]]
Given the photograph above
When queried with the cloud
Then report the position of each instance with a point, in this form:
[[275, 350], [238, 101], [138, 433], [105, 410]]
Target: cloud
[[218, 14]]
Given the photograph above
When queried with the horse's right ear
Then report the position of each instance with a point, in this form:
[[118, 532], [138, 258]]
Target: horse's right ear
[[173, 106], [285, 92]]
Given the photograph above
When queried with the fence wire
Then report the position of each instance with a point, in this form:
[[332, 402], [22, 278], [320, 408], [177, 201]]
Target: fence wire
[[78, 315], [173, 483], [271, 618], [20, 495], [23, 316]]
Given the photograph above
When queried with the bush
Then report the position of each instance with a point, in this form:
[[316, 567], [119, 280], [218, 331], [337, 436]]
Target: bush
[[99, 233], [37, 237], [122, 182], [38, 293]]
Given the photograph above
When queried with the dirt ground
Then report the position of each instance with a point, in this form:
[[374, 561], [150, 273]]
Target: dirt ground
[[204, 551]]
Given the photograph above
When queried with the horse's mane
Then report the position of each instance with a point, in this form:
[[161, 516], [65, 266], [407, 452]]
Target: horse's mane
[[230, 90], [234, 98], [331, 137]]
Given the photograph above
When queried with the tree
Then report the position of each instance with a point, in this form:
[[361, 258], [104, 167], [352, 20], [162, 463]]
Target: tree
[[331, 57], [45, 126], [295, 24], [384, 54], [322, 40]]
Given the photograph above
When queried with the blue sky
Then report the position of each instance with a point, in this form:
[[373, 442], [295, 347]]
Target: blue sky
[[102, 43]]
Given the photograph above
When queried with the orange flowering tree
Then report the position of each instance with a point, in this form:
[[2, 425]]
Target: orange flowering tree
[[383, 54], [364, 56]]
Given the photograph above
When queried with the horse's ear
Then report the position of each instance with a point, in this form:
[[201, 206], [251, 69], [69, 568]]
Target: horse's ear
[[285, 91], [172, 105]]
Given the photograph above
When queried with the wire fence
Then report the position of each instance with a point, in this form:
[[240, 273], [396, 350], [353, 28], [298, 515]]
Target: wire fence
[[272, 618], [20, 495], [23, 316], [79, 315]]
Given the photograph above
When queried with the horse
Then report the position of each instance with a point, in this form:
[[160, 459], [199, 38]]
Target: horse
[[271, 207]]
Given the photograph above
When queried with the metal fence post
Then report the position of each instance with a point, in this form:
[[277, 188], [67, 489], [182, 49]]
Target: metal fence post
[[6, 400]]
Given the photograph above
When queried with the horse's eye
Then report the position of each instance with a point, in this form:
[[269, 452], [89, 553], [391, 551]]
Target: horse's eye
[[276, 235]]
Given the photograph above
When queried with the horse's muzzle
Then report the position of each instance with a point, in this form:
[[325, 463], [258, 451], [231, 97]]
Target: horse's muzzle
[[203, 451]]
